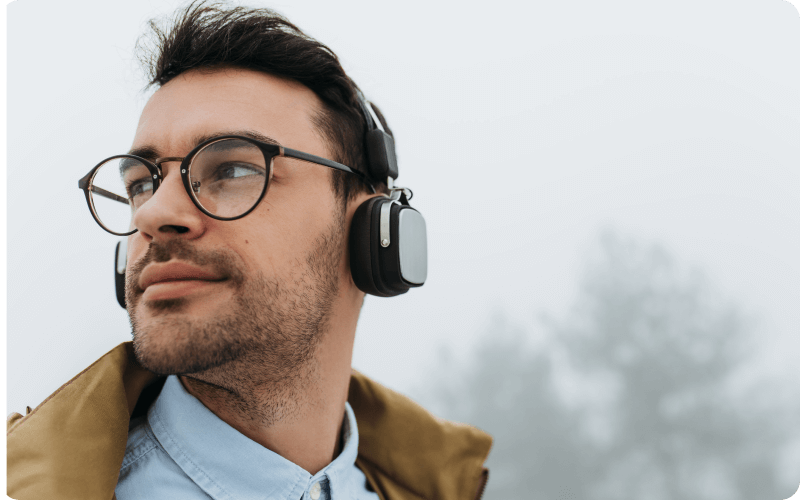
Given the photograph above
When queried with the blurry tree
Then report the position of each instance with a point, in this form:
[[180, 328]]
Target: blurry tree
[[633, 395], [509, 391]]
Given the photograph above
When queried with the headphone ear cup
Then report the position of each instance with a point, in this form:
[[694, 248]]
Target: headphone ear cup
[[365, 250], [120, 261]]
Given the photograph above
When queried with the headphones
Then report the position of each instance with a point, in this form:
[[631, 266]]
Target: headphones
[[388, 238]]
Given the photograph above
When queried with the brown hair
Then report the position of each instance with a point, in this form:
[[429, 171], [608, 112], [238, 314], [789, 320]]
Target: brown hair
[[213, 34]]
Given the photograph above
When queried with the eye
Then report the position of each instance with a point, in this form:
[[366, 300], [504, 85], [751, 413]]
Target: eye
[[232, 170], [140, 187]]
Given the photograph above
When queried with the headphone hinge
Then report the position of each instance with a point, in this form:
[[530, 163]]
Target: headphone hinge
[[385, 224]]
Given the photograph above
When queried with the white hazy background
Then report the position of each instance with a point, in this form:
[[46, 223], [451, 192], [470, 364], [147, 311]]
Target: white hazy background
[[524, 130]]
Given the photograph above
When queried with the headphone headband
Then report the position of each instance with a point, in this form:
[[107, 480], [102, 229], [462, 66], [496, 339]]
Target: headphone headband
[[381, 156], [375, 119]]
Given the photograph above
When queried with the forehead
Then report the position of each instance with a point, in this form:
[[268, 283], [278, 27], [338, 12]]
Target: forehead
[[201, 102]]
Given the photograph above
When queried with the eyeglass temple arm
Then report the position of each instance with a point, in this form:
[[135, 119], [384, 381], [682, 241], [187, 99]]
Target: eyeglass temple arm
[[108, 194], [293, 153]]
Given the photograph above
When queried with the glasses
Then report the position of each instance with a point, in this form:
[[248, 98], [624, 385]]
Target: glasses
[[226, 178]]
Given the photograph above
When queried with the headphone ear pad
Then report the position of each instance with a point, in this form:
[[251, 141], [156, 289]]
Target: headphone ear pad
[[360, 247]]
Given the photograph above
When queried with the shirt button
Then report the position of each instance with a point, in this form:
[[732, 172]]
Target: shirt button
[[315, 491]]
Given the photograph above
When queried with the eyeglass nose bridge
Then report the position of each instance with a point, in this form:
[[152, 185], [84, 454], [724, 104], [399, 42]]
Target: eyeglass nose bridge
[[195, 184], [166, 159]]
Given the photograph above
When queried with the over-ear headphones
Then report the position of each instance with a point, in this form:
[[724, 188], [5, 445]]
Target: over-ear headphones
[[388, 238]]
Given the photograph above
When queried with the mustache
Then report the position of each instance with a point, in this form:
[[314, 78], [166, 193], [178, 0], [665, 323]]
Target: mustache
[[223, 263]]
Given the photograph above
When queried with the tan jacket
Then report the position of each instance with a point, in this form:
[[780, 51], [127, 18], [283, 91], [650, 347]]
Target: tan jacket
[[71, 446]]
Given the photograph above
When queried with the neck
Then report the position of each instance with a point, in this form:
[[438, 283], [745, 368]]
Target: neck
[[299, 418]]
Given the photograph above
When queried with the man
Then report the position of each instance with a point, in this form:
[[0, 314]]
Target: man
[[243, 283]]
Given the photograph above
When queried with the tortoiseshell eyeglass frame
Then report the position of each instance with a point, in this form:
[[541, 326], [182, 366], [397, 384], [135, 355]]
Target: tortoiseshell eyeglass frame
[[270, 151]]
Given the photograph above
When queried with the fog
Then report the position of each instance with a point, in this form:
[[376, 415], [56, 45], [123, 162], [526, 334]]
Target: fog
[[532, 136], [646, 389]]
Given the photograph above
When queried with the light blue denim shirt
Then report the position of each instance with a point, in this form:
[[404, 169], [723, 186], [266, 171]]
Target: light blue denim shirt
[[181, 450]]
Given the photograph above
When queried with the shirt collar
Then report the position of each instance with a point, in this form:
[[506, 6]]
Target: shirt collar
[[226, 464]]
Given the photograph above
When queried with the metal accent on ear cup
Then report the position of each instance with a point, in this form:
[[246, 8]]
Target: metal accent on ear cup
[[386, 212], [120, 262], [413, 247], [122, 256], [395, 193]]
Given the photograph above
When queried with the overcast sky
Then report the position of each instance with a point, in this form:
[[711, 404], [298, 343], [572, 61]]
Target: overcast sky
[[524, 131]]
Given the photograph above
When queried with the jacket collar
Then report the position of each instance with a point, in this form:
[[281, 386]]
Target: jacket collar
[[72, 445]]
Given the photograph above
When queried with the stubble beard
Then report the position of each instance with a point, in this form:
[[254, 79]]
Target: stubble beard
[[259, 355]]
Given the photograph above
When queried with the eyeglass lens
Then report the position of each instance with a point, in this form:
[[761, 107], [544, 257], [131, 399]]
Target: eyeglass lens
[[227, 178]]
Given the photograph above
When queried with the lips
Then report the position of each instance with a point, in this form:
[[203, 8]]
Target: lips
[[175, 271]]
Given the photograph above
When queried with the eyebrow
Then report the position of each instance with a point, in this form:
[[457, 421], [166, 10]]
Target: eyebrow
[[151, 153]]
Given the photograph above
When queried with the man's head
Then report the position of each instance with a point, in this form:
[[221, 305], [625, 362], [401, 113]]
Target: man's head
[[211, 34], [276, 280]]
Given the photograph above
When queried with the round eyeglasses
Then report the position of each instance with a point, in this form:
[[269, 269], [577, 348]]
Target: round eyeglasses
[[226, 177]]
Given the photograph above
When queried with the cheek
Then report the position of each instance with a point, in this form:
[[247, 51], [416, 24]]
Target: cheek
[[137, 247], [283, 230], [301, 204], [278, 235]]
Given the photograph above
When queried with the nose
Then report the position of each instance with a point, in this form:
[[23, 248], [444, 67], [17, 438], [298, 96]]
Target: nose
[[170, 210]]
